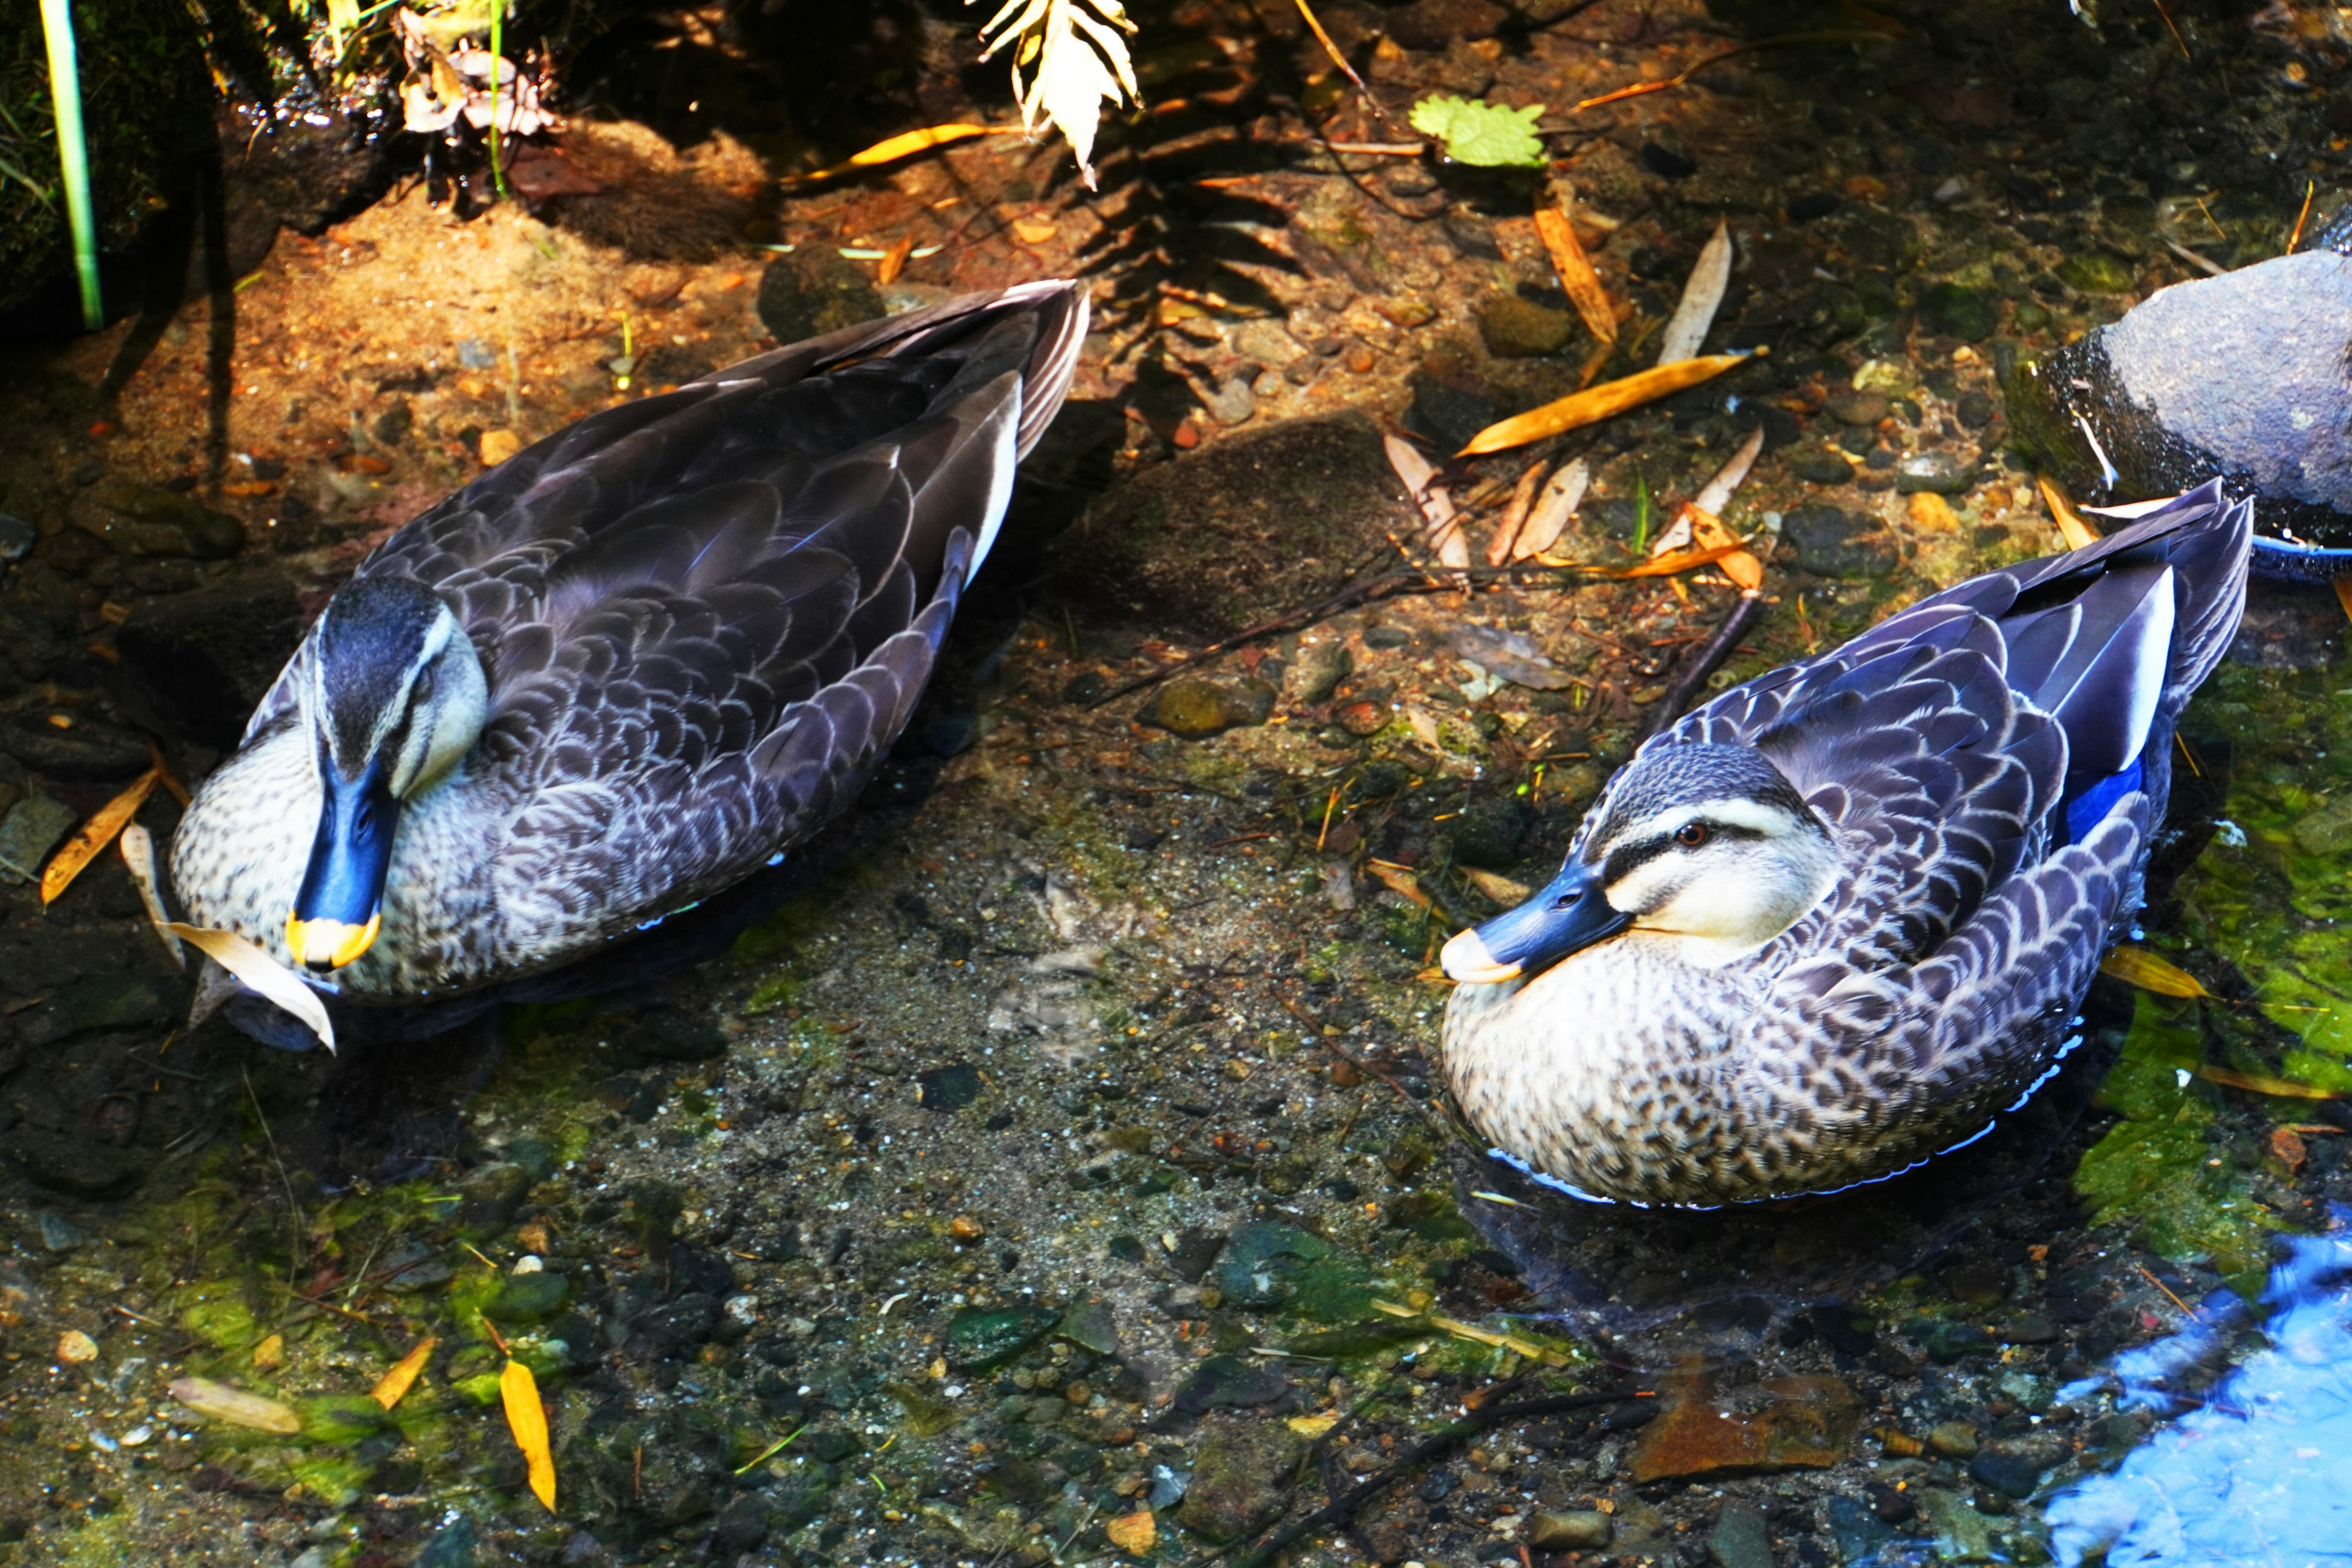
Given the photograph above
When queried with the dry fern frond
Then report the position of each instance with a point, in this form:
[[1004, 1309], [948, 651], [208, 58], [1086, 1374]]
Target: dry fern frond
[[1077, 60]]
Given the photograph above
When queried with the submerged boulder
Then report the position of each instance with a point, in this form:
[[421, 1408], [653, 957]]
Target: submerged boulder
[[2241, 377]]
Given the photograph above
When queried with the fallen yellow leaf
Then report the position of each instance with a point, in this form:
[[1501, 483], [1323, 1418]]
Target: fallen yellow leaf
[[2262, 1083], [1398, 881], [2137, 966], [526, 1419], [1133, 1533], [1576, 273], [906, 144], [1502, 890], [1683, 560], [262, 973], [1312, 1427], [1579, 410], [95, 834], [2076, 532], [1034, 233], [894, 261], [394, 1385]]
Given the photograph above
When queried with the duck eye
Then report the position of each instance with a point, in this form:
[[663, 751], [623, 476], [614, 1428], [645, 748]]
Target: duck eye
[[1691, 834], [421, 689]]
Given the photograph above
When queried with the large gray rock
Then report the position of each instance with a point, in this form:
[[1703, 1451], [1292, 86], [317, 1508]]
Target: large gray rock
[[1216, 541]]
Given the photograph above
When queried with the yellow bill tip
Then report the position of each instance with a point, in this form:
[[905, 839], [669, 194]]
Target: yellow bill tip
[[329, 944], [1467, 960]]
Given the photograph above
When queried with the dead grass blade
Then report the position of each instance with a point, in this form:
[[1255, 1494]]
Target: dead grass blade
[[393, 1386], [95, 834], [1576, 273], [1702, 297], [1609, 398], [1332, 50], [262, 973], [2070, 526], [2138, 967], [2262, 1083], [906, 144], [526, 1419], [138, 855]]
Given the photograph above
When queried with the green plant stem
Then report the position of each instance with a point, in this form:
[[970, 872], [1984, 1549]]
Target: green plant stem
[[73, 154], [497, 57]]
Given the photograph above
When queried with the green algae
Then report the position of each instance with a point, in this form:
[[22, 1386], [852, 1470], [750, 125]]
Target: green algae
[[2157, 1171]]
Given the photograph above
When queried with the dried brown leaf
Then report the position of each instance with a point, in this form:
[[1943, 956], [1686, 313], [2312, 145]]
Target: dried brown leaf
[[394, 1385], [1576, 273], [1609, 398], [94, 836]]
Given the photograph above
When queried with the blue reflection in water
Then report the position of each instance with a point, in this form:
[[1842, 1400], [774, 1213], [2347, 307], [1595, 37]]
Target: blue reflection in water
[[2259, 1468]]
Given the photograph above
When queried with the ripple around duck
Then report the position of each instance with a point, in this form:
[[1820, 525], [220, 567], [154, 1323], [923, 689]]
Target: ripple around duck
[[1620, 1267]]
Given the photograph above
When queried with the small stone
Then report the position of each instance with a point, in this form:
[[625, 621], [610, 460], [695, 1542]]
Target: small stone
[[1666, 163], [979, 1340], [1196, 710], [1937, 470], [1363, 718], [1805, 1421], [1931, 513], [146, 521], [17, 537], [1974, 408], [476, 354], [813, 291], [1820, 466], [1953, 1439], [1962, 1534], [1948, 1343], [2027, 1328], [1229, 1383], [2098, 272], [1232, 402], [1450, 413], [1813, 204], [1581, 1531], [948, 1088], [1959, 313], [1741, 1538], [76, 1348], [60, 1234], [963, 1228], [1091, 1326], [527, 1298], [1833, 543], [1318, 671], [1514, 328], [1858, 407], [1241, 1478], [1434, 23], [497, 446]]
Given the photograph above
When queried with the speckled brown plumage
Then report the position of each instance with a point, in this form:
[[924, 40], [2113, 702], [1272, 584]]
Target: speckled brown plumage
[[1938, 980]]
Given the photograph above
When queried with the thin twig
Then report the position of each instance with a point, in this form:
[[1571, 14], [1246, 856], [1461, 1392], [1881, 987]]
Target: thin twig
[[1706, 661]]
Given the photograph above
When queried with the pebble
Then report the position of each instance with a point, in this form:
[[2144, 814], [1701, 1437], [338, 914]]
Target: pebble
[[34, 826], [1937, 470], [1953, 1439], [1587, 1530], [1803, 1422], [2015, 1464], [1513, 328], [1666, 163], [143, 520], [1858, 407], [1820, 466], [1833, 543], [17, 537], [497, 446], [814, 290], [1241, 1478], [476, 354], [1434, 23], [978, 1339], [2098, 272], [1231, 403], [1959, 311], [1196, 710], [1741, 1538], [60, 1234], [1320, 669]]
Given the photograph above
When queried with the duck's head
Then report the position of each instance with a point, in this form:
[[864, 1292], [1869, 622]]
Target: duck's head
[[396, 697], [1707, 843]]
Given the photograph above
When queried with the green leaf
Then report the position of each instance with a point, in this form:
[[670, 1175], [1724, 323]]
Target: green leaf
[[1487, 134]]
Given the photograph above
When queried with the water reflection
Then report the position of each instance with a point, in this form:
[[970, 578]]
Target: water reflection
[[2257, 1468]]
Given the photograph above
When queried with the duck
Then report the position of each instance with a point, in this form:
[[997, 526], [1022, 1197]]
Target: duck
[[625, 670], [1840, 919]]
